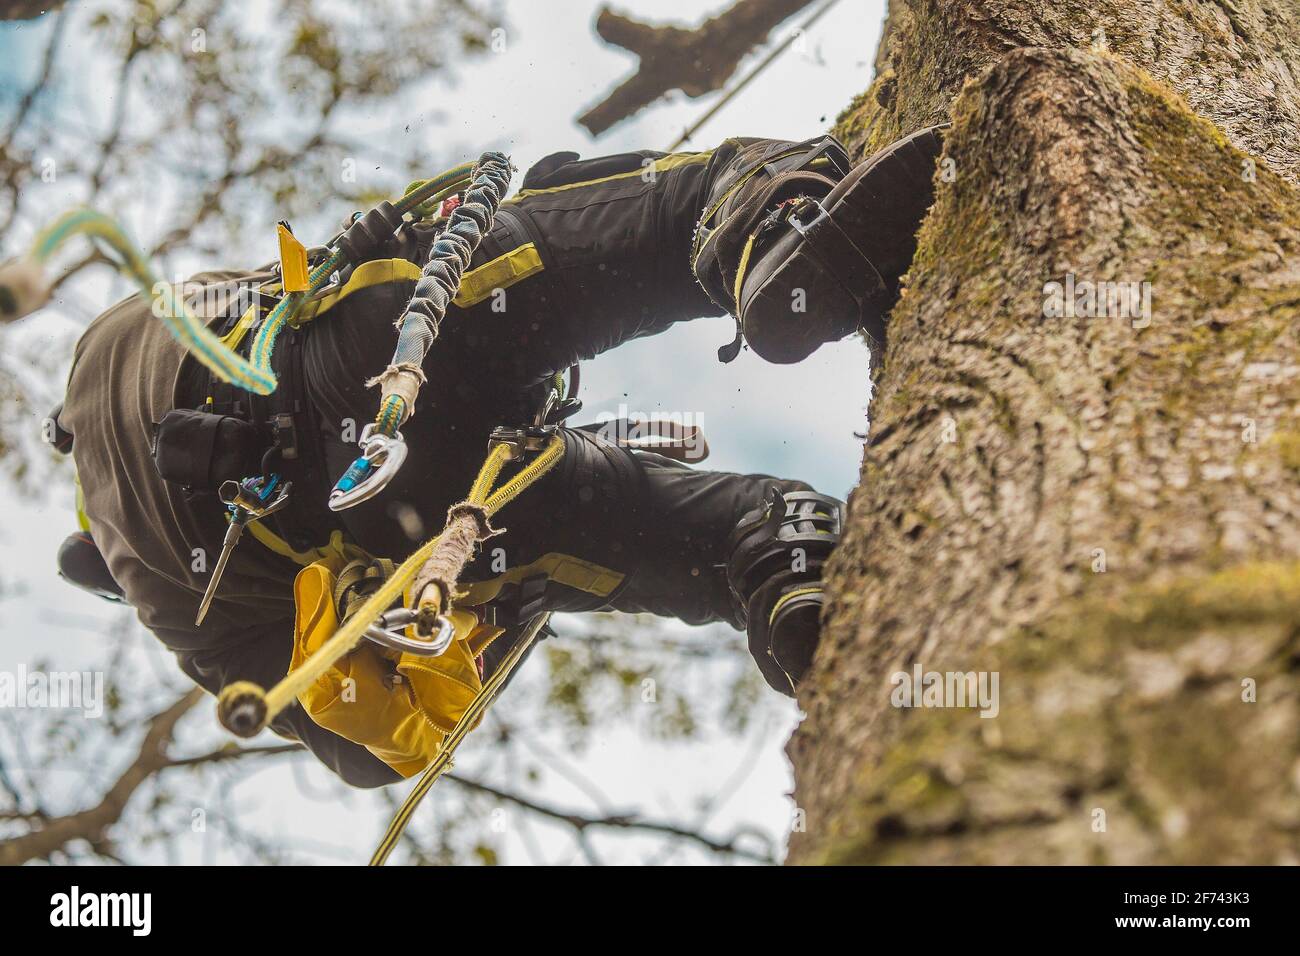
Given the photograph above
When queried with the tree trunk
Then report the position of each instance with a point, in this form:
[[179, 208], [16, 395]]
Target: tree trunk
[[1104, 511]]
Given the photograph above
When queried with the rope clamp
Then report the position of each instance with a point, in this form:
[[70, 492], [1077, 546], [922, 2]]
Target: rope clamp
[[381, 458], [520, 441], [315, 256], [383, 632]]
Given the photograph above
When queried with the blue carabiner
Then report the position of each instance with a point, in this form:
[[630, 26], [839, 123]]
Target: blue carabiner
[[381, 457]]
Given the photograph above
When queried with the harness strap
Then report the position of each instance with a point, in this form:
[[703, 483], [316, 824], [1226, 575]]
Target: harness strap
[[837, 252], [337, 547], [443, 762], [246, 709], [357, 580], [287, 426]]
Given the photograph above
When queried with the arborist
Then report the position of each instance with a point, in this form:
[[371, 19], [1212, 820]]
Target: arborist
[[798, 245]]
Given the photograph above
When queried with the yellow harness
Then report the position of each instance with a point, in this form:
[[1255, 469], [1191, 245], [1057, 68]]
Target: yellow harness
[[444, 697]]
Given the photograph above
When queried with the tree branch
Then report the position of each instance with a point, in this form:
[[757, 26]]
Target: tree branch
[[232, 752], [673, 58], [90, 825], [581, 823], [27, 9]]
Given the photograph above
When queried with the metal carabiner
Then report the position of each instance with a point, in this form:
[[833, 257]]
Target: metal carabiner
[[381, 632], [381, 457]]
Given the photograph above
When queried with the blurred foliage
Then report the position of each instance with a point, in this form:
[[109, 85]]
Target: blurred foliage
[[635, 669], [230, 111], [193, 122]]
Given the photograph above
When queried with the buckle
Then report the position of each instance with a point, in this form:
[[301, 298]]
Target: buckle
[[520, 441], [832, 150], [798, 224]]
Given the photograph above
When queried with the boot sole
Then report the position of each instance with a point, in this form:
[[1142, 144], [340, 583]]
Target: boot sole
[[880, 201]]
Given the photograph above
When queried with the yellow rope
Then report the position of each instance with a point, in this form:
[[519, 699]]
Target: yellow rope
[[266, 704], [443, 762], [487, 476]]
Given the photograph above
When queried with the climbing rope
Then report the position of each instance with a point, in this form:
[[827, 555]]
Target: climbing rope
[[444, 760], [23, 280], [449, 257], [418, 198], [246, 709], [433, 569], [382, 446], [184, 326]]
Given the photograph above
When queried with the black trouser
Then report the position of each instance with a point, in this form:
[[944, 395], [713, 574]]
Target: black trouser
[[613, 236], [614, 264]]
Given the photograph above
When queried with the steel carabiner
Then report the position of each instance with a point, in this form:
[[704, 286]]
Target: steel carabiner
[[381, 632], [381, 457]]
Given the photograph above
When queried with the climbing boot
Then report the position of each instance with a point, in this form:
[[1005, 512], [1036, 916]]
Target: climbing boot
[[777, 554], [813, 256]]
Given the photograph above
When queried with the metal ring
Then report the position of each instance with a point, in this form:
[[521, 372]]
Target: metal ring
[[802, 227], [380, 633]]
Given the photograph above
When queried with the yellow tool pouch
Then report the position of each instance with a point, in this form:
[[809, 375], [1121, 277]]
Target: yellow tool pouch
[[399, 706]]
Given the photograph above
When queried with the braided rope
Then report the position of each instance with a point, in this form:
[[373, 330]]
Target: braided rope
[[254, 374], [265, 704], [439, 280], [183, 324], [443, 761], [264, 344]]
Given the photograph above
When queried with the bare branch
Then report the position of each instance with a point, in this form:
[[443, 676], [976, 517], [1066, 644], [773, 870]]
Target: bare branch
[[582, 822], [232, 752], [672, 58], [90, 825], [47, 68]]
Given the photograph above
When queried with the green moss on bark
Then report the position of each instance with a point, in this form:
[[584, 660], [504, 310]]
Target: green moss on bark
[[1125, 708], [1122, 692]]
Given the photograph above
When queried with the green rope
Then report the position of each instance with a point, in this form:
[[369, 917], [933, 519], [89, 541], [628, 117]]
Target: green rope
[[392, 412], [253, 375], [184, 326], [287, 308]]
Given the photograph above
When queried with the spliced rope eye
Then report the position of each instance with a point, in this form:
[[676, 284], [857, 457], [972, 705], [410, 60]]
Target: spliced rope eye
[[433, 569], [246, 709]]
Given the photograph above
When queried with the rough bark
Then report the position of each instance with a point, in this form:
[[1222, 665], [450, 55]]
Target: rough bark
[[1102, 511], [1236, 62]]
